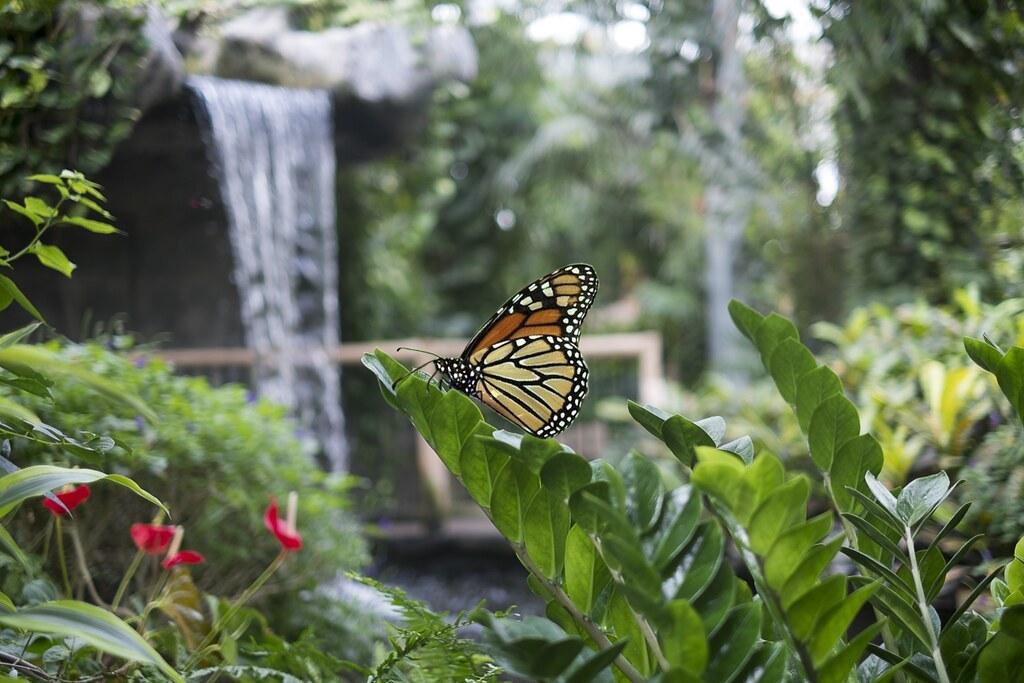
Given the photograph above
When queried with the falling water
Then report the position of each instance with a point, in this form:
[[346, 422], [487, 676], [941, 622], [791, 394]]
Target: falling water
[[273, 151]]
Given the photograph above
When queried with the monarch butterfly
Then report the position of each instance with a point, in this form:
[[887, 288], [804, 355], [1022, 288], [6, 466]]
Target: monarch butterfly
[[525, 362]]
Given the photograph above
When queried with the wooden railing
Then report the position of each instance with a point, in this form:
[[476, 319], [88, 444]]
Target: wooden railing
[[644, 347]]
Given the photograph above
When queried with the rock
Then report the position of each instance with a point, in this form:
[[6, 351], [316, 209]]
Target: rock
[[162, 70], [372, 61]]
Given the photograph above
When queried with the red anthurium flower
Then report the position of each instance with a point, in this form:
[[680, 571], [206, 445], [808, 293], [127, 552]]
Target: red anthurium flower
[[284, 529], [71, 496], [152, 538], [182, 557], [176, 556]]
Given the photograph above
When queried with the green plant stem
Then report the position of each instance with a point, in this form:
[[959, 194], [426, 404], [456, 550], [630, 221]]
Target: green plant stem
[[922, 601], [123, 586], [850, 532], [652, 641], [585, 622], [235, 606], [83, 567], [50, 220], [61, 559]]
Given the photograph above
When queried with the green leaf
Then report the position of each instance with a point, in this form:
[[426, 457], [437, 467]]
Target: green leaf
[[47, 178], [564, 473], [808, 570], [743, 447], [1010, 374], [714, 603], [681, 512], [714, 427], [24, 211], [905, 615], [806, 611], [649, 417], [857, 456], [94, 625], [644, 490], [52, 257], [514, 489], [837, 667], [14, 550], [586, 574], [545, 529], [746, 319], [481, 465], [783, 508], [453, 423], [379, 363], [813, 388], [985, 355], [882, 495], [788, 550], [625, 624], [772, 331], [787, 365], [919, 497], [733, 644], [698, 564], [683, 437], [18, 335], [585, 512], [10, 292], [833, 423], [682, 638], [1002, 659], [833, 624], [91, 225], [39, 479], [42, 359], [588, 671], [875, 534]]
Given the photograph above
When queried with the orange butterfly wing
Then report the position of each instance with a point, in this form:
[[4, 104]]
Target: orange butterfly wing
[[524, 362]]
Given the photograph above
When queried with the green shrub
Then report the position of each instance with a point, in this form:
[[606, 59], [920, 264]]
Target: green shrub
[[634, 566], [215, 456]]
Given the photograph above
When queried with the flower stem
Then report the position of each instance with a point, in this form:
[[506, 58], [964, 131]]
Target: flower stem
[[83, 567], [61, 559], [223, 620], [123, 586]]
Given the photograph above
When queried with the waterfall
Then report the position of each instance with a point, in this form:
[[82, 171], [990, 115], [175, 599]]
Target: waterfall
[[273, 152]]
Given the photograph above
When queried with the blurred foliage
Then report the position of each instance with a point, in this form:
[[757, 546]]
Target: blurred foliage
[[215, 456], [67, 73], [929, 122], [995, 481], [905, 368]]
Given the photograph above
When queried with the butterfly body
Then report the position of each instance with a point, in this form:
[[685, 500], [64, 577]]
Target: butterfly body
[[525, 362]]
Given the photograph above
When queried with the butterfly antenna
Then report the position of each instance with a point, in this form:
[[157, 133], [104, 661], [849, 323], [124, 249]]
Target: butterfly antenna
[[415, 369]]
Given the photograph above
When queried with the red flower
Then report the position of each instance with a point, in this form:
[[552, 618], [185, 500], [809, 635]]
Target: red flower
[[152, 538], [182, 557], [71, 496], [284, 529]]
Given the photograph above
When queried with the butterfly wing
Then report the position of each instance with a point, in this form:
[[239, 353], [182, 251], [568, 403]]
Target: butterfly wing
[[553, 305], [538, 381]]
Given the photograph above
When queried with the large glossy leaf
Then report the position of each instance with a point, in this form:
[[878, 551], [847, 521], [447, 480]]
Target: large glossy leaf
[[790, 547], [94, 625], [644, 490], [682, 637], [834, 422], [917, 498], [563, 473], [746, 319], [857, 456], [481, 465], [787, 365], [813, 388], [38, 479], [1003, 657], [733, 644], [586, 574], [514, 489], [680, 515], [784, 507], [545, 528], [698, 564]]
